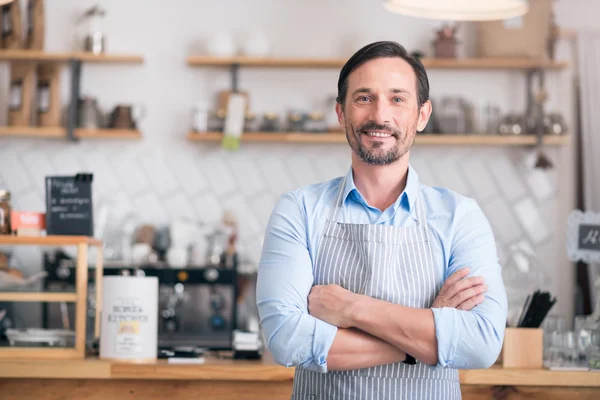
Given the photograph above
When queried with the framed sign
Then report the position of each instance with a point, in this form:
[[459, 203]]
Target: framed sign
[[69, 205], [583, 236]]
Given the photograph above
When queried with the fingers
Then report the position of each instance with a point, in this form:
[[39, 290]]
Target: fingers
[[467, 294], [455, 277], [471, 303], [463, 284]]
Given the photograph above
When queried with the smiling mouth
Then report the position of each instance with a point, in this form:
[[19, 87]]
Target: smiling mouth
[[378, 134]]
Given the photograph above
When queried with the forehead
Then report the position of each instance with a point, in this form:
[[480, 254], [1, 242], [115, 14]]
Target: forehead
[[383, 74]]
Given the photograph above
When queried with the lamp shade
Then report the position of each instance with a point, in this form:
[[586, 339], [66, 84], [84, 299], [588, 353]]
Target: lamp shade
[[459, 10]]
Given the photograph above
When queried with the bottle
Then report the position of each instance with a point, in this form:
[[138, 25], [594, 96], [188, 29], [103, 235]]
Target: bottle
[[5, 211]]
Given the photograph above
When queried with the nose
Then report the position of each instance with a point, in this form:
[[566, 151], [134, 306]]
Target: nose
[[382, 113]]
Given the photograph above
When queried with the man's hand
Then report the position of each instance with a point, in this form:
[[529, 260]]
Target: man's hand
[[332, 304], [460, 292]]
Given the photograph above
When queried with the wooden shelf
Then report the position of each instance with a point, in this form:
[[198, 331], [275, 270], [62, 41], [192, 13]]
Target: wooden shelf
[[61, 133], [35, 354], [33, 131], [432, 63], [9, 240], [38, 297], [422, 139], [109, 58], [108, 134], [43, 56]]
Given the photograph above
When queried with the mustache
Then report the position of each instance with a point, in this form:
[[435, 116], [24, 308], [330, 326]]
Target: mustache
[[373, 126]]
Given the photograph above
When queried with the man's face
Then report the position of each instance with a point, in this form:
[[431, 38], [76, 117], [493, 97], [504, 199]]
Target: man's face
[[381, 112]]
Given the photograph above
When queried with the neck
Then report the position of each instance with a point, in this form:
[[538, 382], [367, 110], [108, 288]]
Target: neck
[[381, 185]]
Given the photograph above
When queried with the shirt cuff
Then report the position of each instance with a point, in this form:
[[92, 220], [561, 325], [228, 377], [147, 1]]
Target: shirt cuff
[[446, 333], [323, 336]]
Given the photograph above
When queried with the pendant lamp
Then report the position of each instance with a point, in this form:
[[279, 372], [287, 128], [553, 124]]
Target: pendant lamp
[[459, 10]]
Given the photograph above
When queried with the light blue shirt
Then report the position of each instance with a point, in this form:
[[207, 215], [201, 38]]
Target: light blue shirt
[[460, 237]]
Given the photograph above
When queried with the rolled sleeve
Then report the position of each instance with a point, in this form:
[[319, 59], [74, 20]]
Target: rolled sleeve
[[285, 278], [473, 339]]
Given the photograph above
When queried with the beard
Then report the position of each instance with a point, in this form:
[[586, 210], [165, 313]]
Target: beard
[[373, 153]]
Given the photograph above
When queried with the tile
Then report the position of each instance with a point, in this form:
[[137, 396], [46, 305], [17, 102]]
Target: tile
[[150, 209], [131, 175], [448, 176], [218, 174], [66, 162], [39, 167], [14, 174], [504, 225], [479, 178], [189, 177], [531, 220], [508, 180], [539, 184], [178, 206], [278, 178], [156, 167], [247, 222], [106, 182], [208, 208], [29, 201], [301, 171], [425, 176], [247, 174], [328, 168], [262, 207]]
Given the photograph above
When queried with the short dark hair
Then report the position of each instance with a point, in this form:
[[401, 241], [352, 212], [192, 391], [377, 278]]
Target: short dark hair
[[380, 50]]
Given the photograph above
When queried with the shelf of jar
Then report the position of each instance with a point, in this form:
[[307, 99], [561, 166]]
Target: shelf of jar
[[422, 139], [61, 133], [53, 240], [43, 56], [108, 134], [34, 131], [517, 63]]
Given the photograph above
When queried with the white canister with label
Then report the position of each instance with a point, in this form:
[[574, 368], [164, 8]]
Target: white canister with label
[[129, 324]]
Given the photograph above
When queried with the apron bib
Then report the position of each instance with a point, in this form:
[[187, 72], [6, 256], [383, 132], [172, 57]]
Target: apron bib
[[389, 263]]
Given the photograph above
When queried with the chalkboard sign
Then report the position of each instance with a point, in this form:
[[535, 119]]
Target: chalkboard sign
[[583, 236], [69, 205]]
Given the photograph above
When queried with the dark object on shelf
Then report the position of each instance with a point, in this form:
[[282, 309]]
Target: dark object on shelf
[[537, 306], [270, 123], [207, 324], [122, 116], [445, 44]]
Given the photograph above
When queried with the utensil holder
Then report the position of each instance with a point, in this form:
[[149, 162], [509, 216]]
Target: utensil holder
[[523, 348]]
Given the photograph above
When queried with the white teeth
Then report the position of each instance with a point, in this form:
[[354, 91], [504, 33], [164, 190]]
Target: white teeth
[[378, 134]]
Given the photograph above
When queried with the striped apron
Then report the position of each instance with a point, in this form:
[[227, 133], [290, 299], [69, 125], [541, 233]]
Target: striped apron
[[393, 264]]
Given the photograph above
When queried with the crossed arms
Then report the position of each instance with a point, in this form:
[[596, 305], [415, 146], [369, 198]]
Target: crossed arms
[[329, 328]]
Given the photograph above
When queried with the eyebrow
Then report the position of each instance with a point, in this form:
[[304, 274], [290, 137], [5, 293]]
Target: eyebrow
[[367, 90]]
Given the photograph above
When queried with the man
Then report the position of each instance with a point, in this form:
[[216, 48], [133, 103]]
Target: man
[[374, 285]]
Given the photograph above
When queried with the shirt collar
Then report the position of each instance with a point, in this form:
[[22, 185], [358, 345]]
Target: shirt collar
[[407, 198]]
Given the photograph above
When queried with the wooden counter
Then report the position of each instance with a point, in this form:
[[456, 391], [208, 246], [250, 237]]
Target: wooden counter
[[94, 379]]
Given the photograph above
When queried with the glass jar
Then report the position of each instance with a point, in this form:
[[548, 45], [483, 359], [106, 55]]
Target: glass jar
[[295, 122], [5, 210], [594, 351], [216, 120], [315, 123], [250, 122], [270, 123]]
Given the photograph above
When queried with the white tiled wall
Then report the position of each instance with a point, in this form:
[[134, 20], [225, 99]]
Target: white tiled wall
[[200, 181]]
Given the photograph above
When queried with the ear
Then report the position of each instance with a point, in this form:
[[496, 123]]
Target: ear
[[424, 114], [340, 114]]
